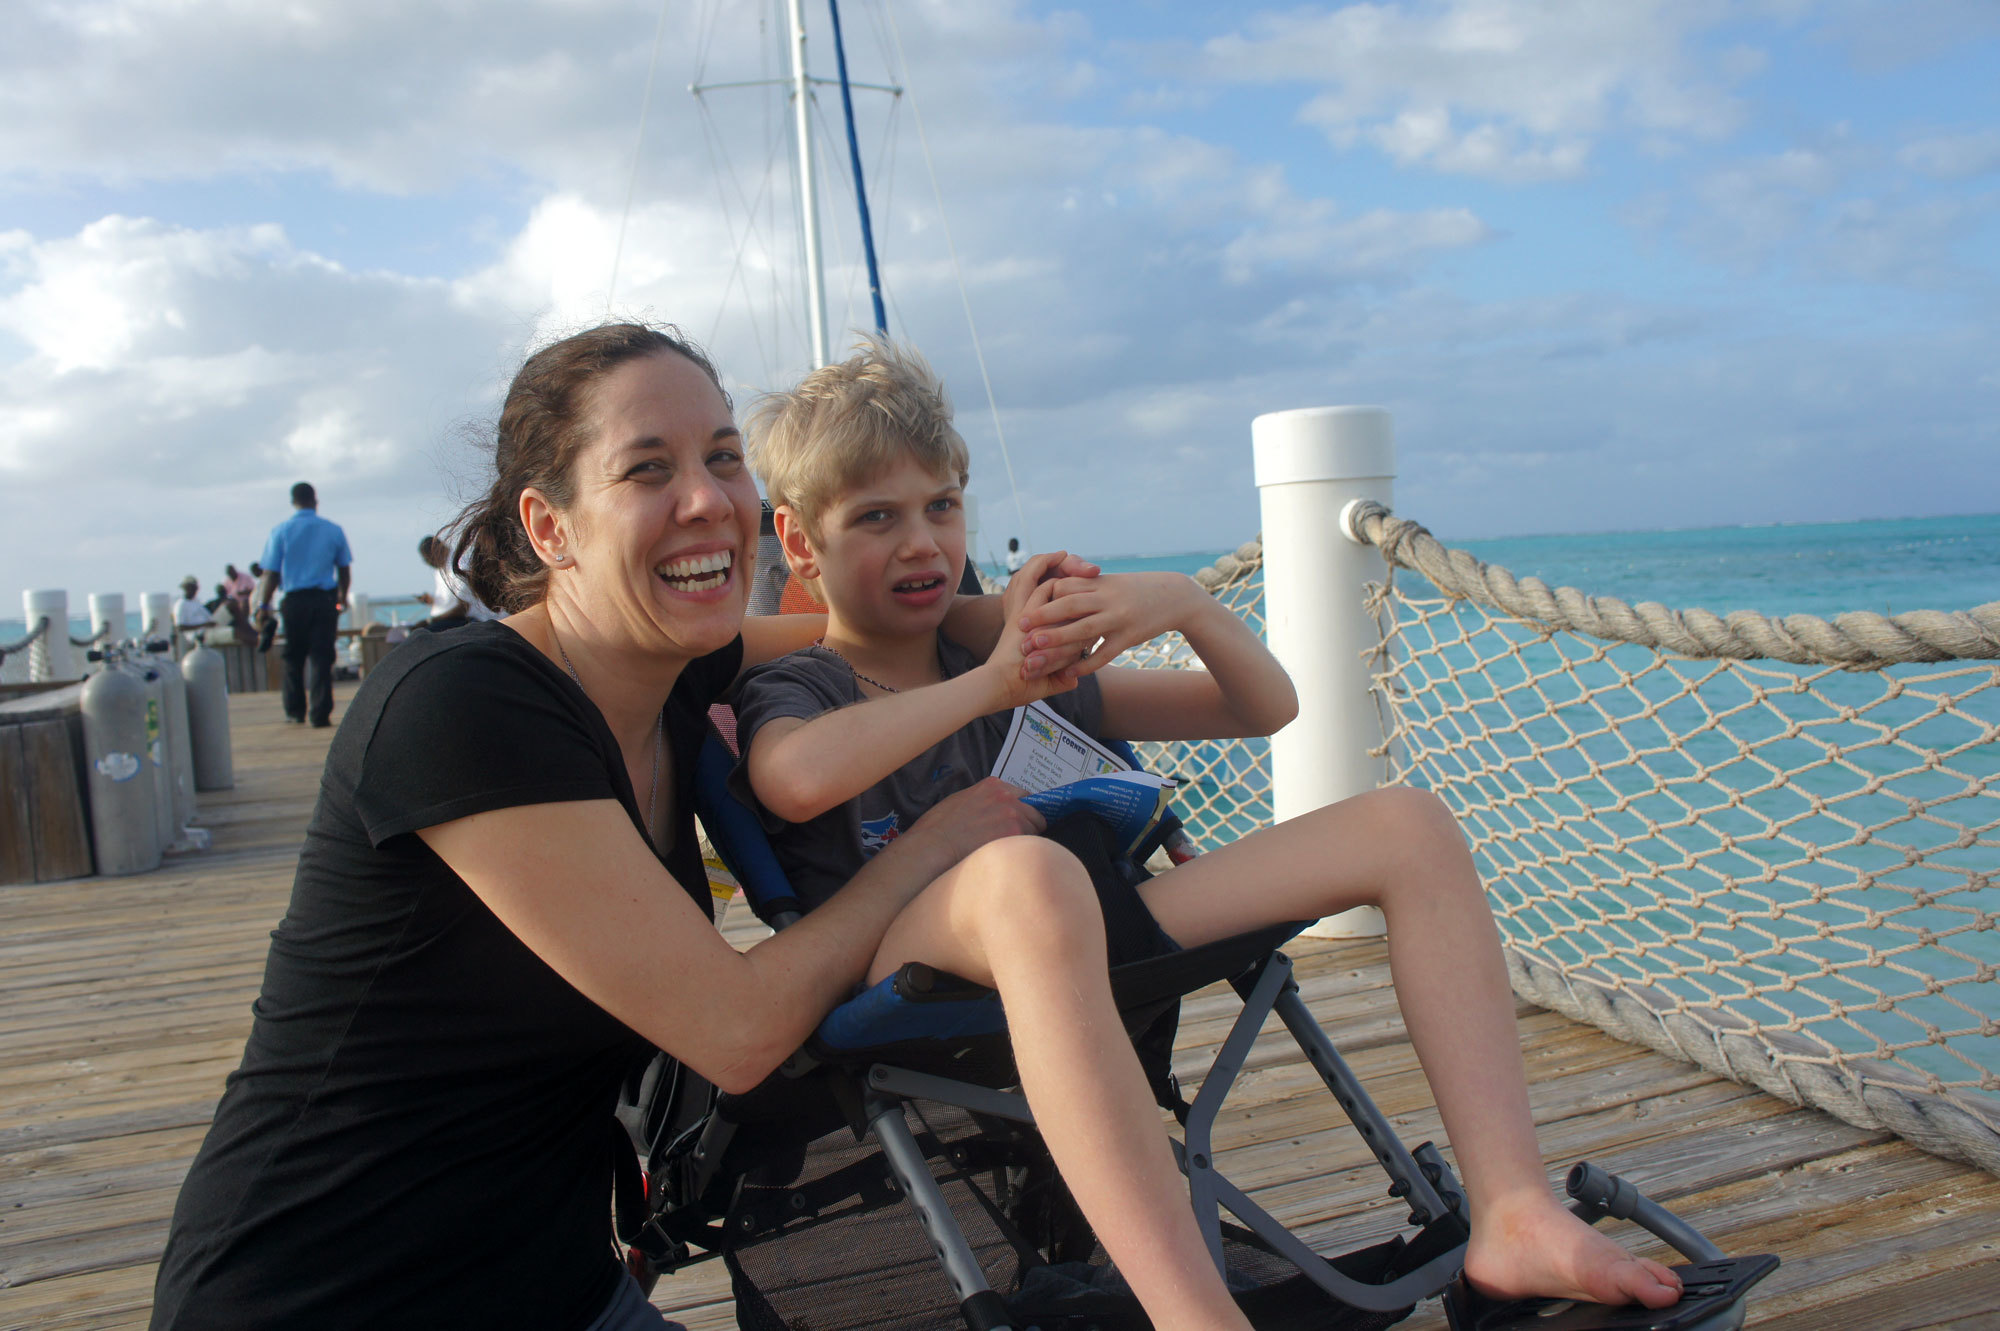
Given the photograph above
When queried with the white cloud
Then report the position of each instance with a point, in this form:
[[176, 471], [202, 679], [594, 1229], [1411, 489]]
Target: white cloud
[[1504, 89], [1954, 156], [1832, 210], [1313, 236], [1499, 152]]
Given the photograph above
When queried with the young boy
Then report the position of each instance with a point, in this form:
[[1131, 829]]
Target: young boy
[[849, 741]]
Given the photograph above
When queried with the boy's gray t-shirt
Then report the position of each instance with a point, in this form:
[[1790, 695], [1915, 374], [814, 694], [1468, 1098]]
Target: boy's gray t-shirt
[[820, 855]]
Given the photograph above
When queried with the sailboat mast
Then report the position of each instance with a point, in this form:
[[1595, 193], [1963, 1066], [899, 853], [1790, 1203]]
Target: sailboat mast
[[808, 192], [854, 164]]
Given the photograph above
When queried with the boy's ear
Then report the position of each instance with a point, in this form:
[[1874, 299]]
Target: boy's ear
[[799, 556]]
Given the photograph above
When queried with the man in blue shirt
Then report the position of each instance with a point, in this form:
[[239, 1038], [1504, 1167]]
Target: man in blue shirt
[[309, 556]]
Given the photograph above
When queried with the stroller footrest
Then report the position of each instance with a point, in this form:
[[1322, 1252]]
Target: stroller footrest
[[1712, 1295]]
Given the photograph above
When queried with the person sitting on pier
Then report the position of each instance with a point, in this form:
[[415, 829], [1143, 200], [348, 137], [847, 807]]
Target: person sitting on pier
[[851, 740], [500, 906], [189, 612], [240, 586], [451, 602]]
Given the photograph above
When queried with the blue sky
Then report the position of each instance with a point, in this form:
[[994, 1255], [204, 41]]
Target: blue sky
[[1654, 263]]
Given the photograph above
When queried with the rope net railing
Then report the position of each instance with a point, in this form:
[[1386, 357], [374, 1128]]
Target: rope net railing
[[1770, 847], [1225, 785]]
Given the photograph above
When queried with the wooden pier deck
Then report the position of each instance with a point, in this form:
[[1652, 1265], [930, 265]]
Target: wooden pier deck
[[124, 1003]]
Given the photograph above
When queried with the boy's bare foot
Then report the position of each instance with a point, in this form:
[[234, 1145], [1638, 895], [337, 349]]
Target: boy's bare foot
[[1537, 1248]]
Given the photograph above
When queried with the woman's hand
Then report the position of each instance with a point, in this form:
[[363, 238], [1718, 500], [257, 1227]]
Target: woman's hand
[[1115, 612], [985, 812]]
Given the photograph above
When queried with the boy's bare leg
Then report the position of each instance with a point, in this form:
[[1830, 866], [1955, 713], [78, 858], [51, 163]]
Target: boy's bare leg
[[1402, 850], [1020, 915]]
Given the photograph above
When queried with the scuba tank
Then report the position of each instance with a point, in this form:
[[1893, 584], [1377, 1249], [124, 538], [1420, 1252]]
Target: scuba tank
[[179, 767], [207, 682], [124, 824], [154, 751]]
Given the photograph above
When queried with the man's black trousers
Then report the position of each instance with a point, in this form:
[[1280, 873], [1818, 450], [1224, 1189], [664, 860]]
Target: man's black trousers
[[310, 621]]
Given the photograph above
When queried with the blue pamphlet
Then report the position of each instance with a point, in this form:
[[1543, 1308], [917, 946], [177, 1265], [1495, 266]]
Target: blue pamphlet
[[1129, 803]]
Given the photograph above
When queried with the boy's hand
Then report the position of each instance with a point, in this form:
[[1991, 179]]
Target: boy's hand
[[1021, 675], [978, 814], [1015, 676], [1114, 612]]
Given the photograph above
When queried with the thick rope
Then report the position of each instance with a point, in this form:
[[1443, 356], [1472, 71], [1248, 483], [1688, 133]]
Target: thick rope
[[1858, 639], [1870, 1094], [41, 627]]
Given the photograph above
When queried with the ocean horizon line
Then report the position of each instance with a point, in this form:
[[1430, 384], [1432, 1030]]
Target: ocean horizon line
[[1782, 525]]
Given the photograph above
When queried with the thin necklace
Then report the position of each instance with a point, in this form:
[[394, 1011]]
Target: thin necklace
[[659, 727], [821, 642]]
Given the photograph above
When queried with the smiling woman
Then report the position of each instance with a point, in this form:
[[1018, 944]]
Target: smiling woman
[[500, 907]]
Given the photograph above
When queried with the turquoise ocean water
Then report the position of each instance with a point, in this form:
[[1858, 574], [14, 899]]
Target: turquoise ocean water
[[1820, 569]]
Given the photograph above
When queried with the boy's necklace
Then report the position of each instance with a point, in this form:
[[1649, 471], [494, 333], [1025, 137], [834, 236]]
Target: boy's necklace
[[886, 688], [659, 727]]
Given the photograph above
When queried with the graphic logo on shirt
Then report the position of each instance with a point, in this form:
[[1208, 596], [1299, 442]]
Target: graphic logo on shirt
[[879, 832], [940, 772]]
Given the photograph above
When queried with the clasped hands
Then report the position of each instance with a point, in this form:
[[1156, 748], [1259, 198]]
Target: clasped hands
[[1063, 618]]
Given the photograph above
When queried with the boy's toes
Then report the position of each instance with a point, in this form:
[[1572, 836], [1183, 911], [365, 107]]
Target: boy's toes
[[1634, 1280]]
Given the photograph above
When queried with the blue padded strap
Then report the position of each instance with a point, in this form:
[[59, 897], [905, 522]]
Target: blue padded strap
[[878, 1016], [737, 835]]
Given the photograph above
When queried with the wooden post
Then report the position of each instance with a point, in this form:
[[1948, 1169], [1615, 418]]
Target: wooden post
[[61, 836], [17, 839], [44, 820]]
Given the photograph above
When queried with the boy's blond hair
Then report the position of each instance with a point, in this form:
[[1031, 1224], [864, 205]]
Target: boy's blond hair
[[845, 424]]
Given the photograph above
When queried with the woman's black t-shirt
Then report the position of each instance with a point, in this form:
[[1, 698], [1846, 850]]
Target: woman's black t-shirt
[[419, 1134]]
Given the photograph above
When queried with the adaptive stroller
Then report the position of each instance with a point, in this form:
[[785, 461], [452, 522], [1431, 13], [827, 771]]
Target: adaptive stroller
[[887, 1176]]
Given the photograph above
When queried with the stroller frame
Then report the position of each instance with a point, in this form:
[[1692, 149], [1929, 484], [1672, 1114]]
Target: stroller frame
[[1421, 1176], [696, 1189]]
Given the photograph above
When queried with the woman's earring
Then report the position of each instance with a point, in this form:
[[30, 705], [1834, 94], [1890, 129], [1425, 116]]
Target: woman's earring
[[559, 558]]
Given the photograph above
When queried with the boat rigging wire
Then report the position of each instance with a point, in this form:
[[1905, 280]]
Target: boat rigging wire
[[740, 243], [979, 354], [638, 156]]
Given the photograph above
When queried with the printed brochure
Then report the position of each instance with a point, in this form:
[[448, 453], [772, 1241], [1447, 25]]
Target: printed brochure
[[1065, 771]]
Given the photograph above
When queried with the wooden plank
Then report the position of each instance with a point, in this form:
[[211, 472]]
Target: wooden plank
[[17, 844], [90, 1301], [60, 832], [1842, 1272]]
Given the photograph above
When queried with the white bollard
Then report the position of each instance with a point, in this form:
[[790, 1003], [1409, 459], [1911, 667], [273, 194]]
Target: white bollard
[[1309, 466], [156, 616], [107, 610], [50, 659]]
